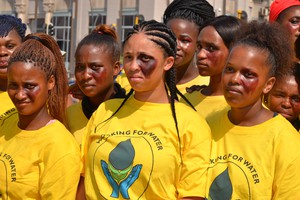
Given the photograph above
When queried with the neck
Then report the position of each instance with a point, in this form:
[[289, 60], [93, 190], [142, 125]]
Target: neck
[[250, 115], [103, 96], [159, 95], [34, 122], [186, 73], [215, 86]]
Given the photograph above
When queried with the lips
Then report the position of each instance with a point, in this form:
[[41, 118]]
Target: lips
[[233, 90], [202, 65], [3, 63]]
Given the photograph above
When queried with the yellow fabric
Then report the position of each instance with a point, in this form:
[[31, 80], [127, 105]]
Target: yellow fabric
[[206, 105], [123, 81], [141, 143], [77, 121], [257, 162], [40, 164], [199, 80], [5, 103]]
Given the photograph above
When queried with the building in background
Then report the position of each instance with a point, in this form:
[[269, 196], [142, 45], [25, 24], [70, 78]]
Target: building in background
[[73, 19]]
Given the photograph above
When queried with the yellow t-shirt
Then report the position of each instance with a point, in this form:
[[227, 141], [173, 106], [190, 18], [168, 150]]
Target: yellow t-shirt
[[199, 80], [136, 153], [206, 105], [38, 164], [123, 81], [256, 162], [77, 121], [5, 103]]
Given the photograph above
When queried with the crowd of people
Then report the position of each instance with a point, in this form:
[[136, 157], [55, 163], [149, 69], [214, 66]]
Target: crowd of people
[[207, 107]]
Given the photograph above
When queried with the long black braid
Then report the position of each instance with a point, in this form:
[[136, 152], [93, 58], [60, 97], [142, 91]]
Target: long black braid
[[197, 11], [164, 37]]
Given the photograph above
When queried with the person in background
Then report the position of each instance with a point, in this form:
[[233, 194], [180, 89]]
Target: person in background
[[149, 145], [255, 152], [185, 18], [40, 159], [97, 63], [12, 32], [287, 14], [214, 42], [284, 98]]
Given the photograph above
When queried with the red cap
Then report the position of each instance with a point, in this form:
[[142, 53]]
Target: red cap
[[280, 5]]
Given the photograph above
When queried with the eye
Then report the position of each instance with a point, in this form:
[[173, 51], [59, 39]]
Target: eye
[[30, 86], [145, 58], [12, 86], [127, 57], [249, 74], [295, 20], [79, 67], [10, 46], [95, 67], [295, 99], [228, 69]]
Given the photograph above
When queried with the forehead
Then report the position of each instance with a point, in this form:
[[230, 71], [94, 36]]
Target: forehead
[[248, 56], [183, 25], [142, 42], [210, 34], [290, 12], [12, 35]]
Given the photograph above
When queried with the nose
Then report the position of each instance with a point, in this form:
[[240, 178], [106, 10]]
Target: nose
[[201, 54], [3, 51], [178, 47], [235, 78], [87, 73], [286, 103], [21, 94]]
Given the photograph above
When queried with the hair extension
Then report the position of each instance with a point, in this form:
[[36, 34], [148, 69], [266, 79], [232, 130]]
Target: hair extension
[[9, 23], [105, 37], [197, 11], [43, 51], [271, 39], [161, 35]]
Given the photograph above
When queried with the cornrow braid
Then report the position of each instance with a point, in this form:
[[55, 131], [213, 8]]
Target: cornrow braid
[[197, 11], [9, 23], [43, 51]]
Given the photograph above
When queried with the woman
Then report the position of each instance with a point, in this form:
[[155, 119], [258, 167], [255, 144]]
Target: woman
[[255, 152], [12, 32], [284, 98], [148, 146], [97, 64], [185, 18], [214, 42], [287, 14], [39, 157]]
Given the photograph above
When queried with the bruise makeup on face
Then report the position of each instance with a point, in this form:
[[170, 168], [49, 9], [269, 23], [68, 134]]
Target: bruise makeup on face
[[147, 65]]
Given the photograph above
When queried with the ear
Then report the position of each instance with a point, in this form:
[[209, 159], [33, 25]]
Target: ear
[[269, 84], [117, 68], [169, 62], [51, 82]]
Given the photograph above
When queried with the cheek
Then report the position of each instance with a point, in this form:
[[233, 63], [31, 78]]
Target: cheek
[[216, 60], [250, 86], [147, 67]]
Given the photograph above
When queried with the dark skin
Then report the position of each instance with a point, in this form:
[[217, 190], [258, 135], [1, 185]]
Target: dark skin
[[7, 46]]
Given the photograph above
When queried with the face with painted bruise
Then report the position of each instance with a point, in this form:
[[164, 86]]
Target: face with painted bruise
[[95, 71], [290, 20], [212, 52], [28, 88], [145, 63], [186, 33], [246, 76]]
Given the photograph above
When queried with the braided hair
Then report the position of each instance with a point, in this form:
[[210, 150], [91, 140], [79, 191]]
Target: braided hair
[[43, 51], [163, 36], [9, 23], [197, 11]]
